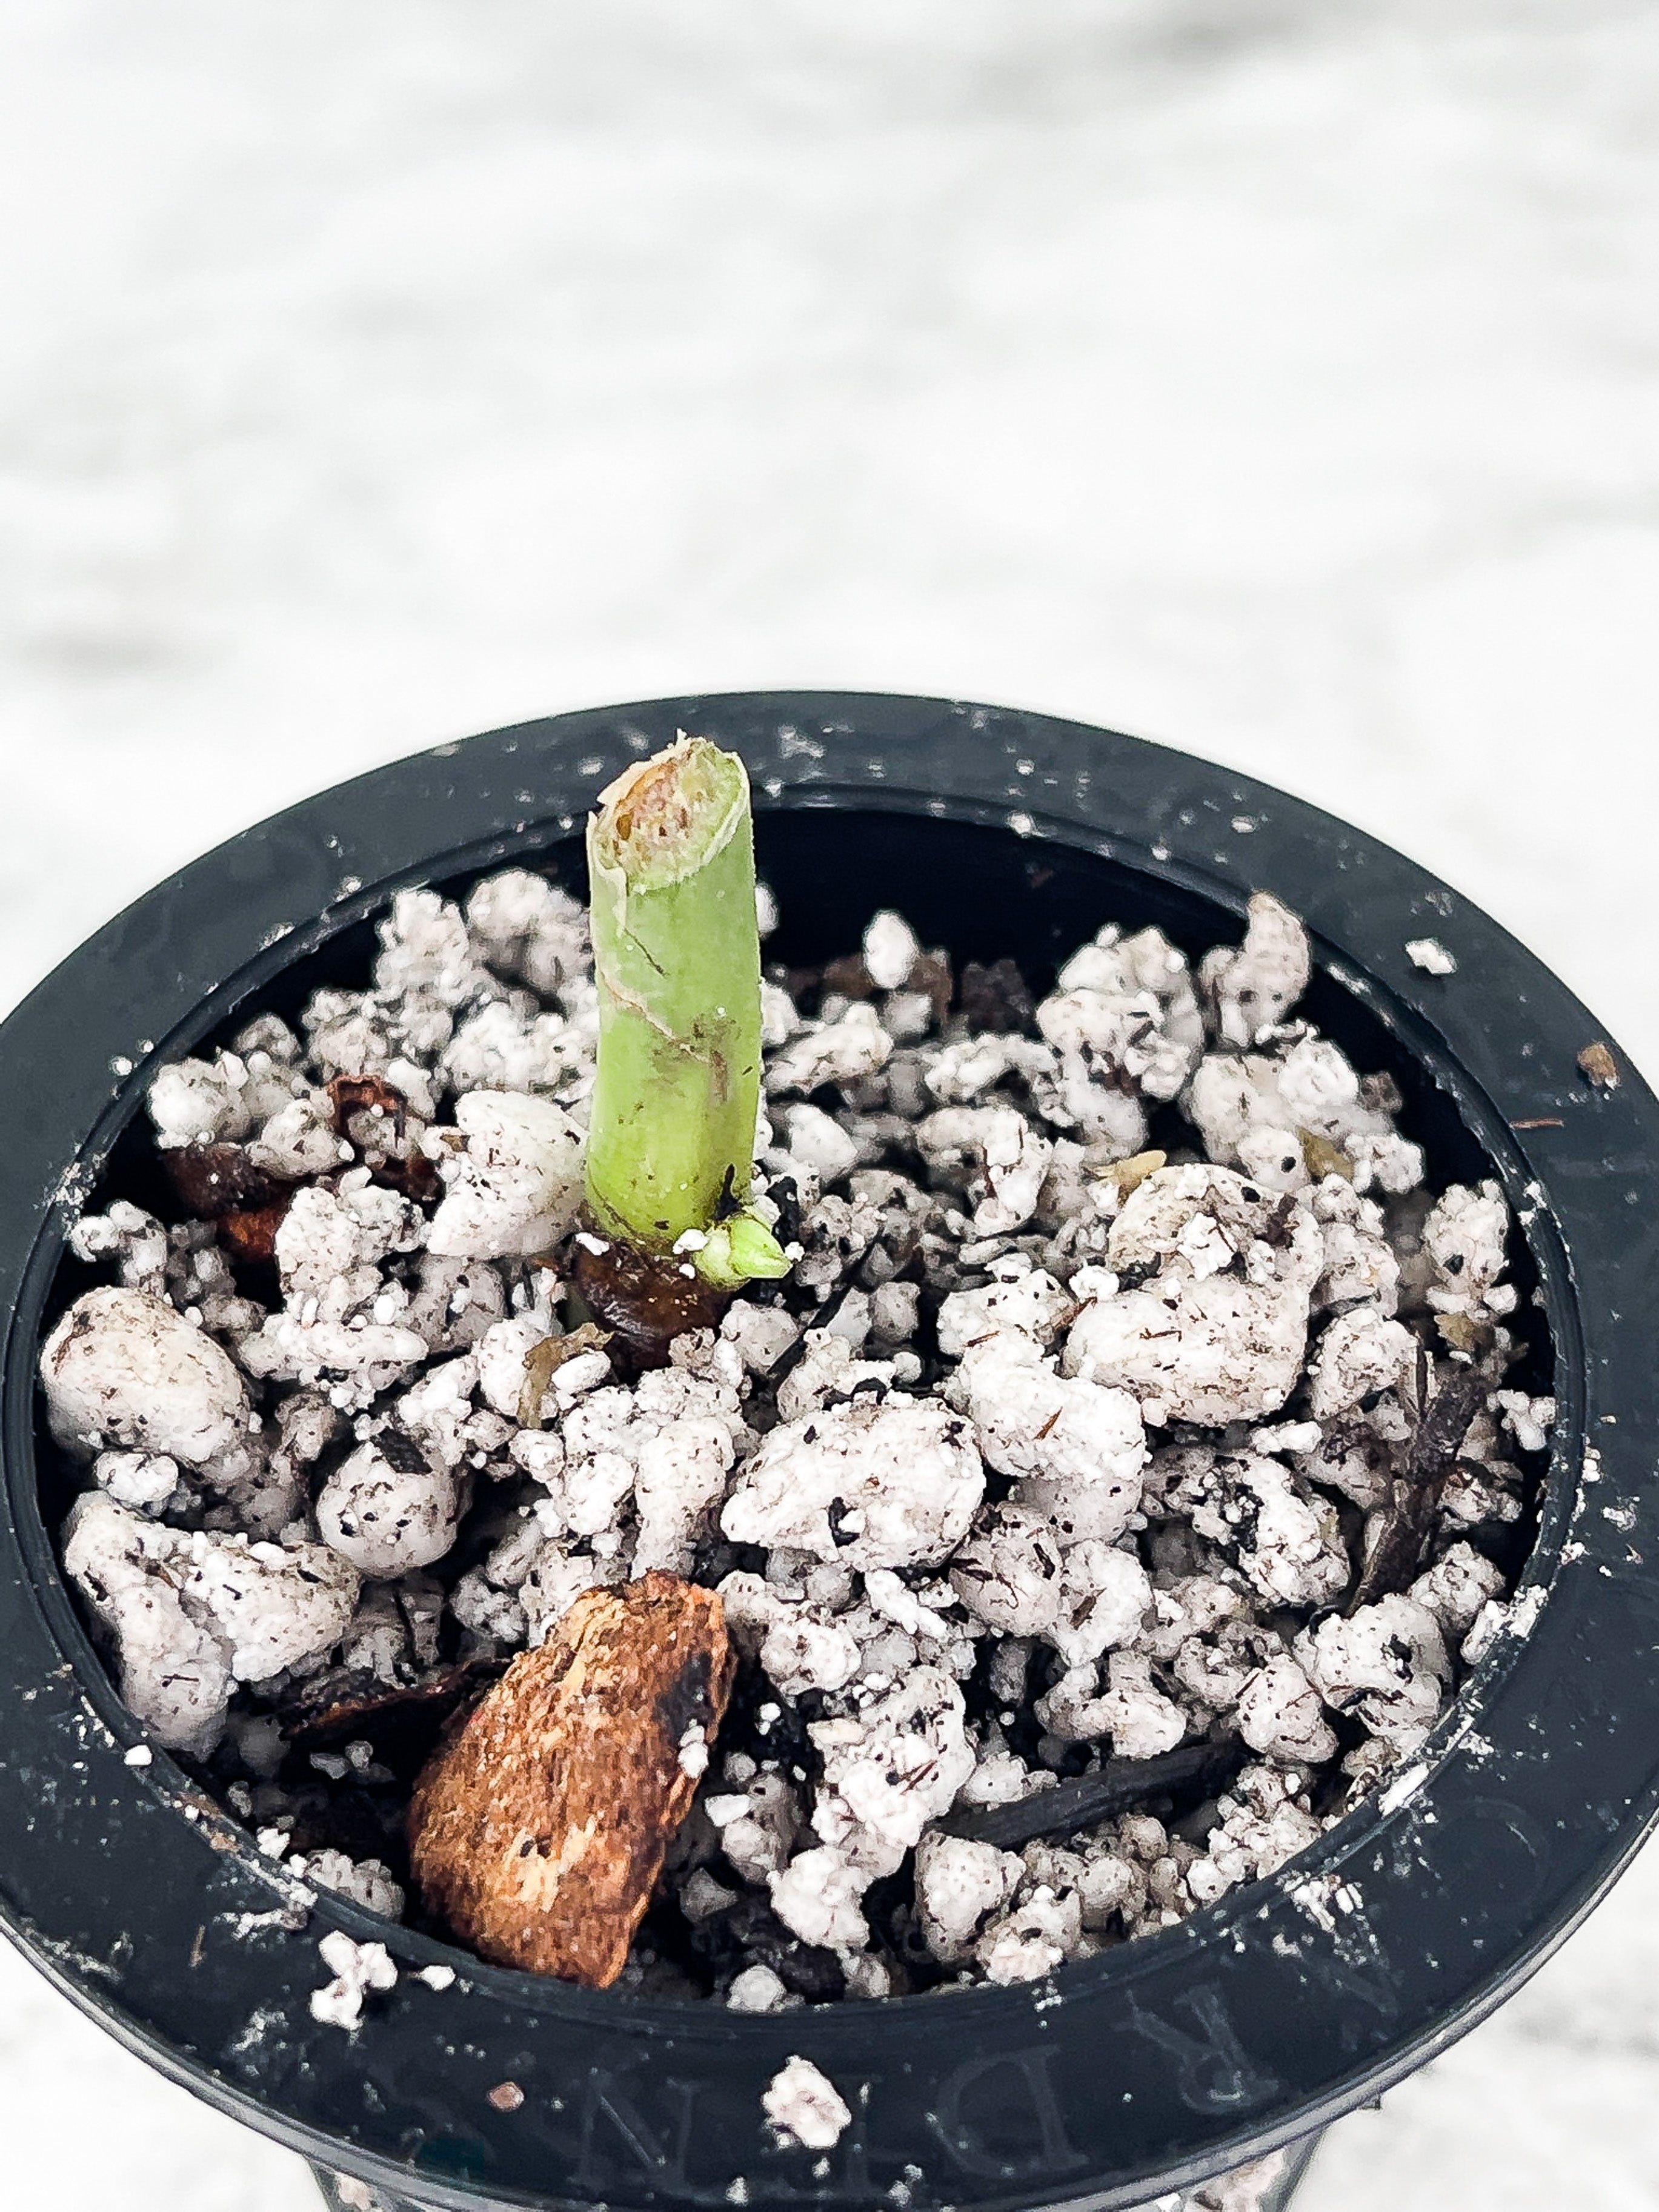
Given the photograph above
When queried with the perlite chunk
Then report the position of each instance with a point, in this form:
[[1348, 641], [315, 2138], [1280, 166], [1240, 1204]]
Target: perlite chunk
[[1131, 1710], [1457, 1589], [329, 1243], [758, 1828], [1465, 1239], [300, 1139], [1126, 1004], [1359, 1261], [1077, 1447], [819, 1144], [367, 1882], [679, 1478], [1265, 1820], [273, 1605], [1361, 1352], [960, 1886], [191, 1614], [509, 1046], [1388, 1662], [200, 1102], [1254, 987], [1018, 1297], [999, 1157], [842, 1051], [1032, 1941], [1018, 1575], [615, 1439], [756, 1990], [1285, 1538], [806, 2107], [529, 929], [816, 1897], [1303, 1100], [175, 1674], [133, 1239], [891, 951], [146, 1482], [387, 1508], [891, 1769], [359, 1969], [122, 1371], [878, 1483], [1279, 1714], [372, 1354], [514, 1187], [1218, 1331]]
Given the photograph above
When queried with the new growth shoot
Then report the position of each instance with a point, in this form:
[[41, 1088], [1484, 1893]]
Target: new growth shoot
[[677, 961]]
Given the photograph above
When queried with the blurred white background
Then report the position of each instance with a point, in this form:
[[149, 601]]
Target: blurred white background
[[1271, 377]]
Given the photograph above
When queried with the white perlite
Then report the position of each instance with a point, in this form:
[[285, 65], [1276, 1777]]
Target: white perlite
[[1252, 989], [878, 1483], [806, 2107], [514, 1187], [1053, 1447], [960, 1886], [386, 1509], [122, 1371], [191, 1615], [1429, 954], [891, 1769], [1217, 1330], [358, 1970], [367, 1882]]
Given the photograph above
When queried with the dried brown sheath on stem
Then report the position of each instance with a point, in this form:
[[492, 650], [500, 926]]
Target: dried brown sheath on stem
[[539, 1832]]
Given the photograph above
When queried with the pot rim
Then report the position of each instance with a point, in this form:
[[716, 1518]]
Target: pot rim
[[1258, 2019]]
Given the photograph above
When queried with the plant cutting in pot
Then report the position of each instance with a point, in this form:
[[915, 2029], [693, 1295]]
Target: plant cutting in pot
[[1279, 2002]]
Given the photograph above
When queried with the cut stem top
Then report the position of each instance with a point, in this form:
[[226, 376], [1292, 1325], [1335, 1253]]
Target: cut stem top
[[677, 961]]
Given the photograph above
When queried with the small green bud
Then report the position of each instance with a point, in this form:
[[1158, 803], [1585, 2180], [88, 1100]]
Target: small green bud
[[740, 1250]]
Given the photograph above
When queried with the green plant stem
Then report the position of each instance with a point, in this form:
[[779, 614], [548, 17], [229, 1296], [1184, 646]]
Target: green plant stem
[[677, 961]]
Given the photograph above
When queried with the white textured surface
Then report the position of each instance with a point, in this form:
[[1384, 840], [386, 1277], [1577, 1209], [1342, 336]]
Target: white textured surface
[[1276, 379]]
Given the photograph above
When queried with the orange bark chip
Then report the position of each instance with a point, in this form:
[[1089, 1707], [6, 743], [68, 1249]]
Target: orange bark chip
[[538, 1832]]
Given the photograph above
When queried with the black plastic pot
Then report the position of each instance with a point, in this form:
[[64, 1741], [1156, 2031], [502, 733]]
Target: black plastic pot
[[1264, 2016]]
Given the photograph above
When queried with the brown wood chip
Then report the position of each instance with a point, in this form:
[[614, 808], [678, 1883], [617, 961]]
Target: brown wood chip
[[212, 1180], [538, 1832], [1322, 1157], [402, 1719], [1129, 1174], [1598, 1063], [252, 1235], [361, 1094]]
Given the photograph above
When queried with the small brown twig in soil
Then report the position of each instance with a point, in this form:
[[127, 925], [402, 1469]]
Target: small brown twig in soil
[[1397, 1554], [543, 1362], [1119, 1786]]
